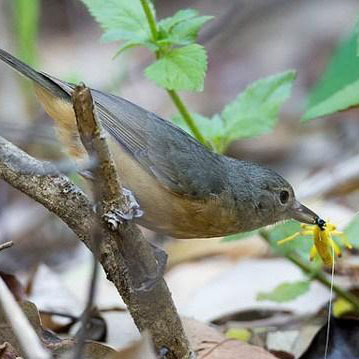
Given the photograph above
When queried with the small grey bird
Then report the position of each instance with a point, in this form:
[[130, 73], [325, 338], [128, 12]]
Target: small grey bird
[[184, 189]]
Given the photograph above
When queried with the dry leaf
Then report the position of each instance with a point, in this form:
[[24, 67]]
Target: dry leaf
[[208, 343], [14, 285], [58, 346], [7, 351]]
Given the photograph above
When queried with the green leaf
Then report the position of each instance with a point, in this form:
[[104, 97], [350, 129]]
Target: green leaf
[[211, 129], [255, 111], [286, 291], [183, 27], [338, 88], [352, 231], [182, 15], [182, 68], [131, 44], [26, 17], [121, 19]]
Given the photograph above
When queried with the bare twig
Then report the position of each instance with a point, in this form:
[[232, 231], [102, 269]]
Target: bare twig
[[134, 254], [86, 316], [84, 116], [126, 257], [6, 245], [24, 332], [216, 346]]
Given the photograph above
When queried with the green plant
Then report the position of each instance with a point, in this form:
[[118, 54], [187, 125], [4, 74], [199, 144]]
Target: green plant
[[26, 19], [26, 23], [338, 88], [297, 251], [180, 65]]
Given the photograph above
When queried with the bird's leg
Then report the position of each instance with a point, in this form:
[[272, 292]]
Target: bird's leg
[[116, 216]]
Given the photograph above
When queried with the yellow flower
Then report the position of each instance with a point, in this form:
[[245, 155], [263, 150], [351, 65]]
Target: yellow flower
[[324, 245]]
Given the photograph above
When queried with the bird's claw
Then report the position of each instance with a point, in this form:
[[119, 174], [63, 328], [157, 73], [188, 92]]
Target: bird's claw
[[116, 217]]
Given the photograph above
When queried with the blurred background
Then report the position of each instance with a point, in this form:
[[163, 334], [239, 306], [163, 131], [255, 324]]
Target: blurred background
[[248, 39]]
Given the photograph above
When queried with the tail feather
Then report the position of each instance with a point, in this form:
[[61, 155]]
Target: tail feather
[[40, 79]]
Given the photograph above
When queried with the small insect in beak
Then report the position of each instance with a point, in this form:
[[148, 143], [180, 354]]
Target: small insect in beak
[[323, 243]]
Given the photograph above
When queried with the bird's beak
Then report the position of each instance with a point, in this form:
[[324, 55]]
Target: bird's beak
[[303, 214]]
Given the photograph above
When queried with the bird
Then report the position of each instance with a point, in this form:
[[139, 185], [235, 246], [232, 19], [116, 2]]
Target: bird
[[184, 189]]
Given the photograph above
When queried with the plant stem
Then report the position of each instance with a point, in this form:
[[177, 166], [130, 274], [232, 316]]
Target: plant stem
[[317, 275], [150, 19], [26, 25], [186, 115], [26, 19], [321, 277], [181, 107]]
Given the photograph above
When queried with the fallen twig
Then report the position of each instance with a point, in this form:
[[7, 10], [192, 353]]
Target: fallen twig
[[6, 245], [24, 332]]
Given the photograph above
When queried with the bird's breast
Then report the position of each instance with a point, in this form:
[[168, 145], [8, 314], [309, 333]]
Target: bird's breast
[[179, 216]]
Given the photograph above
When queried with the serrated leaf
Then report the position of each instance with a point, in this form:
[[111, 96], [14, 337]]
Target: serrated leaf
[[338, 89], [285, 292], [183, 27], [182, 68], [211, 129], [181, 15], [131, 44], [121, 19], [186, 32], [255, 111]]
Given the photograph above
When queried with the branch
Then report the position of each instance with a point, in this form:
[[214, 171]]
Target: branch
[[152, 309], [126, 256]]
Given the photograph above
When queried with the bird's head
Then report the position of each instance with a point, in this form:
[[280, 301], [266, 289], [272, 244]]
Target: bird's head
[[271, 198]]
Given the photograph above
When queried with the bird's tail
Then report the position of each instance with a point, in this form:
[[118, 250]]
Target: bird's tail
[[41, 79]]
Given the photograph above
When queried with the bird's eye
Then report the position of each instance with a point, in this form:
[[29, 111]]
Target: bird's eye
[[284, 196]]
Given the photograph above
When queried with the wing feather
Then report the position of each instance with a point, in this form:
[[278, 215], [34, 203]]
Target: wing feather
[[177, 160]]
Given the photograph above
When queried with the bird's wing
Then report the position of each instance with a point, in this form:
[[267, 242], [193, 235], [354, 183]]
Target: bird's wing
[[178, 161]]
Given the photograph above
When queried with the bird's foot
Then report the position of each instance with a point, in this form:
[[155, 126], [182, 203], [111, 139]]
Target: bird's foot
[[115, 217]]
